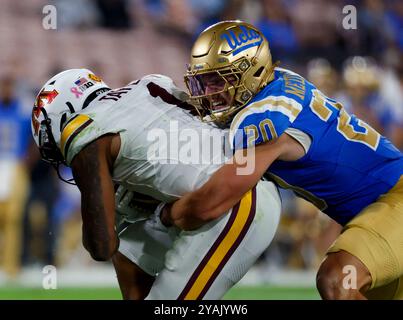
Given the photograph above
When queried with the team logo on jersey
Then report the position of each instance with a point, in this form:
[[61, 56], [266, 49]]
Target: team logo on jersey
[[243, 40], [94, 77]]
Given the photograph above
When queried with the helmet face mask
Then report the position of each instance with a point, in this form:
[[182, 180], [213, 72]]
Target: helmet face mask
[[42, 128], [47, 145], [49, 150], [213, 91], [237, 56]]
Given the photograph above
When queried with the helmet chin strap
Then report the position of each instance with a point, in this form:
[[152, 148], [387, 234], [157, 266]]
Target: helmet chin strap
[[55, 161], [70, 181]]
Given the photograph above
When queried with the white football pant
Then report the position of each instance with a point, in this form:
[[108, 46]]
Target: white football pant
[[207, 262]]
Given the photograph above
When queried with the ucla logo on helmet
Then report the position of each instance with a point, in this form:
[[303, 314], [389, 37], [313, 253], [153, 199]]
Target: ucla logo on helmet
[[242, 41]]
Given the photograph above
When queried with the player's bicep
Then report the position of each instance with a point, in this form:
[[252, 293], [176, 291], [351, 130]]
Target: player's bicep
[[91, 172]]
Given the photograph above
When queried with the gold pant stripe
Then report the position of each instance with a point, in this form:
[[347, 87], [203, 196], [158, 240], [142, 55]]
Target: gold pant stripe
[[242, 219]]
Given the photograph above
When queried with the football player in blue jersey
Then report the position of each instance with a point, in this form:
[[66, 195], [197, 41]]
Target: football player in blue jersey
[[305, 141]]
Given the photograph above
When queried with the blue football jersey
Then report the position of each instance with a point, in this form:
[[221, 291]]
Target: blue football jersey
[[348, 164], [15, 131]]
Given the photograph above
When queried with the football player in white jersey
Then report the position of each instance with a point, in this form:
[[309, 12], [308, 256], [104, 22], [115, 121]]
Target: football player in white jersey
[[136, 137]]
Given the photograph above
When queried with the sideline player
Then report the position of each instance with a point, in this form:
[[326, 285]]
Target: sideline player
[[139, 137], [304, 141]]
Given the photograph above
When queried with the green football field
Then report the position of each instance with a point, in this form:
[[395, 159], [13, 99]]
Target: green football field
[[237, 293]]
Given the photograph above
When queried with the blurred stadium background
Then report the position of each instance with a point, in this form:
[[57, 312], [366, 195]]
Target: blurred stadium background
[[121, 40]]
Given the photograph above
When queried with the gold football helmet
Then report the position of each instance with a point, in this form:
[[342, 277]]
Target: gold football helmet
[[230, 62]]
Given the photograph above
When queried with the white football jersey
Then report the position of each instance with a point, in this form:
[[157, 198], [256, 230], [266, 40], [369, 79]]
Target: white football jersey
[[165, 151]]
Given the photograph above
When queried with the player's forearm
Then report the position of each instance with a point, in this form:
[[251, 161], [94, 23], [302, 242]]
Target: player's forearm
[[99, 235], [189, 223], [91, 172], [194, 219], [224, 189], [100, 245]]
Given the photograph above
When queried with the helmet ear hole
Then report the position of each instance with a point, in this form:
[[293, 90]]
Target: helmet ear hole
[[258, 72]]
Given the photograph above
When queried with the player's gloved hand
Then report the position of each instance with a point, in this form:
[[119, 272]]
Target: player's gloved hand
[[133, 206], [158, 224], [163, 211], [123, 198]]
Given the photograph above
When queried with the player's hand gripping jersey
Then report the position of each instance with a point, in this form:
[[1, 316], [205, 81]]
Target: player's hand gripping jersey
[[347, 165]]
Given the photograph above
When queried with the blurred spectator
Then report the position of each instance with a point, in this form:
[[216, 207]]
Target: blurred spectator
[[178, 18], [391, 89], [82, 14], [323, 76], [210, 12], [40, 227], [375, 29], [114, 14], [315, 23], [305, 230], [67, 221], [361, 78], [303, 236], [394, 17], [276, 26], [15, 131], [281, 249]]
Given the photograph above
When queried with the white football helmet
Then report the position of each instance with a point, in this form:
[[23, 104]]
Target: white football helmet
[[63, 95]]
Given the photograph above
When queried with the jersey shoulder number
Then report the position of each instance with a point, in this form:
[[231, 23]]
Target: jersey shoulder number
[[271, 112], [263, 120]]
